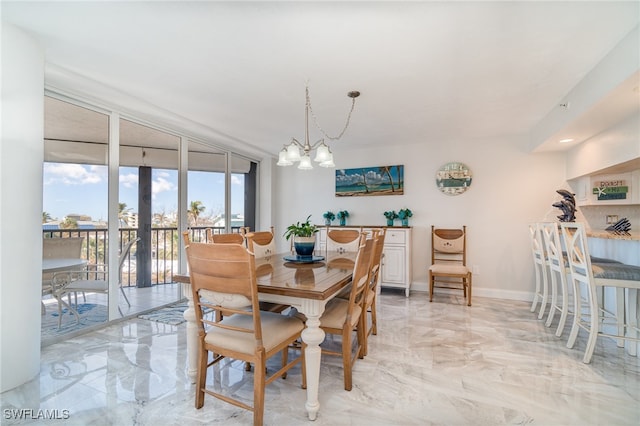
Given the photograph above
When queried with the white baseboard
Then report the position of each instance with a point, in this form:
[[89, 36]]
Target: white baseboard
[[494, 293]]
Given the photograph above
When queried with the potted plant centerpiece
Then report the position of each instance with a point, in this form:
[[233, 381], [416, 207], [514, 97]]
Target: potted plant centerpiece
[[304, 239], [390, 215], [404, 215]]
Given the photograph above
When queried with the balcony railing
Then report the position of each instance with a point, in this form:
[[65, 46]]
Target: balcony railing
[[164, 249]]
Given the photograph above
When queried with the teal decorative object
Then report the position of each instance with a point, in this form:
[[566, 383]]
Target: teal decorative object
[[328, 217], [390, 215], [404, 215], [342, 216]]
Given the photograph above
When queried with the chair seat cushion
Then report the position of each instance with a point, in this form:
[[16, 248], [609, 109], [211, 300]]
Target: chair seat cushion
[[88, 285], [616, 271], [442, 268], [335, 314], [276, 328]]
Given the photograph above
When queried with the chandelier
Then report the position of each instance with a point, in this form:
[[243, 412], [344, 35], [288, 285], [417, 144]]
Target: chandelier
[[301, 152]]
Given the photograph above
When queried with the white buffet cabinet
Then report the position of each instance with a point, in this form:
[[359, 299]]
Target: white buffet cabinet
[[396, 260]]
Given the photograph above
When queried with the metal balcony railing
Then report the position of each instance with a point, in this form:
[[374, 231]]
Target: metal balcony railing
[[164, 249]]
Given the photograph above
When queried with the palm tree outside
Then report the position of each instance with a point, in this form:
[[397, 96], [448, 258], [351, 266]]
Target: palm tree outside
[[195, 209]]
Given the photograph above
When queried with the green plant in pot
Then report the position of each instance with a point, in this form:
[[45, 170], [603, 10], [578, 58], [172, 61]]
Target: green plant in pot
[[303, 234]]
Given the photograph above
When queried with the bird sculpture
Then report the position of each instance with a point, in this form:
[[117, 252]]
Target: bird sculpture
[[567, 205]]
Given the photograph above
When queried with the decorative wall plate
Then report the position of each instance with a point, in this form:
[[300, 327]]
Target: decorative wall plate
[[453, 178]]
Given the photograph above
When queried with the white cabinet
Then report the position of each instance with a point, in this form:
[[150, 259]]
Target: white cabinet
[[396, 260]]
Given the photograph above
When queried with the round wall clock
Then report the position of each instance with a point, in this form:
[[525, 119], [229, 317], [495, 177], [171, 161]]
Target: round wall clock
[[453, 178]]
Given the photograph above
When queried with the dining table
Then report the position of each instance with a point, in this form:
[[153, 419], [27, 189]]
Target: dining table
[[56, 265], [306, 284]]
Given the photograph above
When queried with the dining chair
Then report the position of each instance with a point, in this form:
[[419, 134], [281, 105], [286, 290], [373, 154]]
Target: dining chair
[[449, 261], [343, 240], [224, 277], [370, 301], [58, 248], [93, 279], [232, 238], [261, 243], [343, 317], [596, 319], [540, 264]]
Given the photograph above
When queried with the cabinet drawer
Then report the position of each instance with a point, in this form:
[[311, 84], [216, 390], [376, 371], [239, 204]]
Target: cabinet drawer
[[394, 237]]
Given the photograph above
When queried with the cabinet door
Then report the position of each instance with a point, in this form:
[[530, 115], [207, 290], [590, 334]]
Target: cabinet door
[[393, 265]]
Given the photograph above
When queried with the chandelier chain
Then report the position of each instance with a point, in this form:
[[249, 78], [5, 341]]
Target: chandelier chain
[[315, 119]]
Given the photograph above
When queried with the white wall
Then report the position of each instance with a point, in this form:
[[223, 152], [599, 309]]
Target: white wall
[[20, 207], [510, 189], [617, 144]]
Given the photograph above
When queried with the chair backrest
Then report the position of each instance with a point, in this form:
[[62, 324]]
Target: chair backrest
[[124, 254], [537, 243], [448, 245], [261, 243], [575, 239], [361, 269], [224, 238], [223, 277], [343, 240], [376, 258], [553, 247], [62, 248]]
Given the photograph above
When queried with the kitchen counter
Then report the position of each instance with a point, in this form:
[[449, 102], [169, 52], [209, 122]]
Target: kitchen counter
[[601, 233]]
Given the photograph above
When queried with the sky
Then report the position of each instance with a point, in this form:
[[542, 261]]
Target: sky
[[82, 189]]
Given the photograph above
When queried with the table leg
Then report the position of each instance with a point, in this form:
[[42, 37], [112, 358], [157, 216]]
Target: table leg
[[312, 336], [192, 334]]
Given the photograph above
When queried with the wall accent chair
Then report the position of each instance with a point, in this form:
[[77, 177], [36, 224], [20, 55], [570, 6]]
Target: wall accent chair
[[449, 261]]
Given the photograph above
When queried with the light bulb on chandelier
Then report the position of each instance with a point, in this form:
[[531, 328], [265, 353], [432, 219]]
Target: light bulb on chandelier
[[296, 151]]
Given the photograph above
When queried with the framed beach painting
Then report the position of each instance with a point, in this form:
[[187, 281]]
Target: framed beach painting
[[362, 181]]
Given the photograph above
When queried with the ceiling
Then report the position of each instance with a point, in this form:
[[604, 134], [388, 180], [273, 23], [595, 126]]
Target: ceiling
[[429, 72]]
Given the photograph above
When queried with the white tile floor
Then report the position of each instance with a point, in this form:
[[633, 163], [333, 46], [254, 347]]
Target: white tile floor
[[141, 299], [438, 363]]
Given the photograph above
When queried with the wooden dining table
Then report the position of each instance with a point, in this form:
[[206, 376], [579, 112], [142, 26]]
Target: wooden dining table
[[307, 286]]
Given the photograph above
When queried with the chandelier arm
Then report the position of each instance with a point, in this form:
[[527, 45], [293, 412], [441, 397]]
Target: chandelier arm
[[315, 119]]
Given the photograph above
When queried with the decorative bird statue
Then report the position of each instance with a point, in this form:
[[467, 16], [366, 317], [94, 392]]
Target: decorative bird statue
[[567, 205]]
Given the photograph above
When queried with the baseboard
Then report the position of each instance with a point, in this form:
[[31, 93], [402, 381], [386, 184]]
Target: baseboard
[[494, 293]]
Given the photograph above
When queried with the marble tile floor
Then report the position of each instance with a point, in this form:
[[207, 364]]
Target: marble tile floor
[[141, 299], [439, 363]]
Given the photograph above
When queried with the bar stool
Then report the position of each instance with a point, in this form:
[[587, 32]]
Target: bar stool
[[540, 266], [557, 275], [592, 276]]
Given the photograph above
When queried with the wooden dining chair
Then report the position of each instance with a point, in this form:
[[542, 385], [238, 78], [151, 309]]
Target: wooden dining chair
[[261, 243], [232, 238], [370, 301], [223, 277], [343, 240], [449, 261], [343, 317]]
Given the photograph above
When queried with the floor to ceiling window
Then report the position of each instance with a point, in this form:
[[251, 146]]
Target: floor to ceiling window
[[75, 204], [221, 195], [206, 189]]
